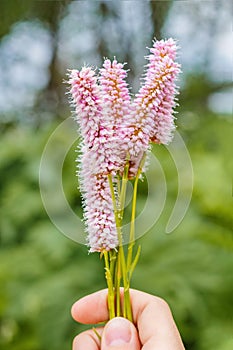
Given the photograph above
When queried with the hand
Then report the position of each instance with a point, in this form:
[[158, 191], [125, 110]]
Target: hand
[[153, 328]]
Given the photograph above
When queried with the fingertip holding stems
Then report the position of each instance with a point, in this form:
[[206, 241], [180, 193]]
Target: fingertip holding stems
[[119, 333], [117, 131]]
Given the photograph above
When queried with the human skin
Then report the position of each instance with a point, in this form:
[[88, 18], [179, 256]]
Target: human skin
[[153, 326]]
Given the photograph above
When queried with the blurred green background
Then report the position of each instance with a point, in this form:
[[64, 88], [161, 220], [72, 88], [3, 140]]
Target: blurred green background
[[42, 272]]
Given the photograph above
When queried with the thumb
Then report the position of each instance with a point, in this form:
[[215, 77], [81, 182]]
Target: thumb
[[121, 334]]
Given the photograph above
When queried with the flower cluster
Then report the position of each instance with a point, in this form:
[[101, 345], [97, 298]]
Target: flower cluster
[[116, 129]]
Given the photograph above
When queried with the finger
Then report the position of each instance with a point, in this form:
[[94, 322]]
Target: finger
[[120, 334], [87, 340], [92, 308], [157, 328]]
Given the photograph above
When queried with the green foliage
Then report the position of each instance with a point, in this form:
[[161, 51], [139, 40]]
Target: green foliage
[[42, 273]]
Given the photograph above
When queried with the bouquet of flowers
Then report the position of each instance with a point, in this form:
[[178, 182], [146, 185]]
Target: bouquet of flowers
[[117, 131]]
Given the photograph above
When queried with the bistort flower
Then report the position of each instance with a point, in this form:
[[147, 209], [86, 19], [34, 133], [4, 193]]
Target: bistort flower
[[116, 129]]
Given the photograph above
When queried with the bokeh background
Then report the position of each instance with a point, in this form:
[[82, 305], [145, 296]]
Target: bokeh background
[[41, 271]]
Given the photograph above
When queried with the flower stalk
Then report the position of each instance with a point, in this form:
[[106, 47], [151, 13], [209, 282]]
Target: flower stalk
[[117, 131]]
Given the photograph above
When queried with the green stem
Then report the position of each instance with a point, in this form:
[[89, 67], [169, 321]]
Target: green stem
[[113, 258], [111, 293], [118, 272], [132, 225], [118, 183], [117, 286], [133, 214], [131, 265], [121, 265], [123, 189], [126, 301], [116, 213]]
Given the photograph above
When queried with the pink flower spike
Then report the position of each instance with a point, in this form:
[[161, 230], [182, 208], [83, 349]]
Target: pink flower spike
[[115, 93], [159, 90], [98, 206], [116, 112], [155, 100], [152, 109], [87, 102]]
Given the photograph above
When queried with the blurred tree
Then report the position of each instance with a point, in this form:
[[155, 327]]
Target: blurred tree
[[106, 13], [49, 13], [12, 11], [159, 12], [52, 97], [198, 89]]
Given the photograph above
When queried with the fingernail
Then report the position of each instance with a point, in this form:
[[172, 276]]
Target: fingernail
[[118, 332]]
